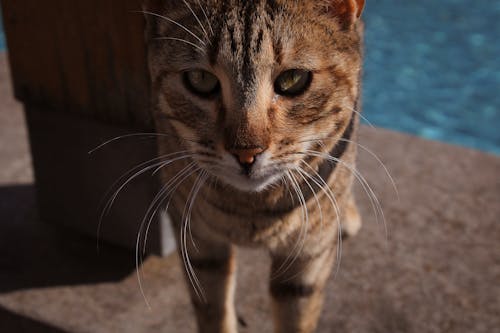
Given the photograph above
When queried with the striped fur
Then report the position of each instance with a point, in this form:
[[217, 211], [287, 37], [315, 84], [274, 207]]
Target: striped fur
[[291, 200]]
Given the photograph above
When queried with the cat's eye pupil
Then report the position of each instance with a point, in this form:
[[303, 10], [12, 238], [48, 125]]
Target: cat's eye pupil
[[293, 82], [201, 82]]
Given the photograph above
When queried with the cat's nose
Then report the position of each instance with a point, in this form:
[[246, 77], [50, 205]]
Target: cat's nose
[[246, 157]]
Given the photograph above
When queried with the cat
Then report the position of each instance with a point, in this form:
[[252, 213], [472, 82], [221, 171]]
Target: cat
[[257, 107]]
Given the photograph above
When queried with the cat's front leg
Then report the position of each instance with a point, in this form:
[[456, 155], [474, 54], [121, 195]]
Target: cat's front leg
[[297, 287], [351, 223], [212, 284]]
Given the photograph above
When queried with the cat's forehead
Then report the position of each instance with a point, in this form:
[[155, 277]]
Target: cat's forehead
[[245, 40], [242, 42], [239, 34]]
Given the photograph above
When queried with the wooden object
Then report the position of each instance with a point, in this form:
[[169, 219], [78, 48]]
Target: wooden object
[[79, 68]]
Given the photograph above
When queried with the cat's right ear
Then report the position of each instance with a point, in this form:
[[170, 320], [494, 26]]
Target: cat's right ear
[[347, 12]]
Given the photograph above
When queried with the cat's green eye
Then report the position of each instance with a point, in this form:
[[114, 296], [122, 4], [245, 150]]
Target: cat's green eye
[[201, 82], [293, 82]]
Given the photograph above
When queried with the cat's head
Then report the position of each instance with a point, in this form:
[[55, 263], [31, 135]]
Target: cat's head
[[252, 87]]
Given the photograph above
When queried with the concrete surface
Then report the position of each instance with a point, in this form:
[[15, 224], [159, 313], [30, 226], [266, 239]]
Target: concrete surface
[[438, 270]]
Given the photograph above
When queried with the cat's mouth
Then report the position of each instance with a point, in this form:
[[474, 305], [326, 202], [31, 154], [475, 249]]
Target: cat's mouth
[[255, 184], [246, 177], [249, 182]]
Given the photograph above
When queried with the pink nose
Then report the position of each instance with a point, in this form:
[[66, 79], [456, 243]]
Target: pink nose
[[246, 156]]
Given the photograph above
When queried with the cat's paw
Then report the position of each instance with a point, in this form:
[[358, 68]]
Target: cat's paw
[[352, 221]]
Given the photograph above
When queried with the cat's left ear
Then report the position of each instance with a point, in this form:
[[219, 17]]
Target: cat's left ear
[[346, 11]]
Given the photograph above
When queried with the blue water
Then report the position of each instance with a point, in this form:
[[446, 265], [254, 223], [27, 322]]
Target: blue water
[[432, 69], [2, 35]]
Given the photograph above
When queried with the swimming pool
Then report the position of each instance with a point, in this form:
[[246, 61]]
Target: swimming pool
[[432, 69], [2, 35]]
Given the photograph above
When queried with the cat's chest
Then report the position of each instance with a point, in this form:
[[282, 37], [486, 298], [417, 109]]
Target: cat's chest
[[247, 224]]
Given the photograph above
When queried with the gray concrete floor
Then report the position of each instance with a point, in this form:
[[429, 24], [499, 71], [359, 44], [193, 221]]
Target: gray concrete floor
[[437, 271]]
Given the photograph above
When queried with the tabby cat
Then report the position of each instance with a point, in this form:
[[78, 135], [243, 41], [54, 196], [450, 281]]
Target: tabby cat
[[256, 103]]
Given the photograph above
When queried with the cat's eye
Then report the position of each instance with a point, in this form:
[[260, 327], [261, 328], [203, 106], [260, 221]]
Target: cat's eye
[[201, 82], [292, 82]]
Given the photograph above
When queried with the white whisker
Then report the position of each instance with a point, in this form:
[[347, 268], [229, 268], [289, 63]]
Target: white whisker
[[301, 173], [364, 183], [379, 161], [195, 283], [364, 148], [362, 117], [166, 190], [182, 40], [331, 197], [151, 135], [197, 19], [299, 244], [206, 17], [176, 23], [131, 175]]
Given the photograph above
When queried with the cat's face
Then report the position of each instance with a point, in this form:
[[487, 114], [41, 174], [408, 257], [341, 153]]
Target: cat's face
[[251, 87]]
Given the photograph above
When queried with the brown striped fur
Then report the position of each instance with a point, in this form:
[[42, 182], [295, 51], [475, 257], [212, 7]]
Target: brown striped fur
[[246, 45]]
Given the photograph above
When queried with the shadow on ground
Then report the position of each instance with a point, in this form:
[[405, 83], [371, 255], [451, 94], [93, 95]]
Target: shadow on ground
[[36, 254], [11, 322]]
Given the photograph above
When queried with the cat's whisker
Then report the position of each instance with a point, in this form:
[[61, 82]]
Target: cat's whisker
[[355, 173], [142, 165], [193, 279], [321, 144], [155, 204], [361, 116], [205, 176], [307, 266], [364, 183], [285, 184], [199, 48], [297, 249], [301, 173], [151, 135], [321, 183], [206, 17], [320, 139], [170, 161], [183, 27], [128, 177], [364, 148], [286, 176], [170, 186], [197, 20], [393, 183], [303, 229]]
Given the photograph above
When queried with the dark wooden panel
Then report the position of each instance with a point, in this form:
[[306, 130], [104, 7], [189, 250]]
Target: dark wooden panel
[[80, 56], [72, 185]]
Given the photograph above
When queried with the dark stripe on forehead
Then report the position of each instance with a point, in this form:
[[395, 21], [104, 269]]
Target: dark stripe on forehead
[[278, 50], [258, 43], [249, 21], [234, 44], [272, 8], [243, 23], [218, 23]]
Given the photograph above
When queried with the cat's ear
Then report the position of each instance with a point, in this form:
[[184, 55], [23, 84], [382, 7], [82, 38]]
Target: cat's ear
[[346, 11]]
